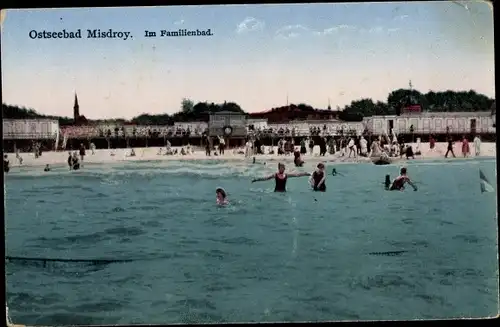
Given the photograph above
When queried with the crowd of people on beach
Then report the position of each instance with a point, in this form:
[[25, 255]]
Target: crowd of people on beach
[[299, 129], [168, 151], [356, 146], [380, 149], [132, 130]]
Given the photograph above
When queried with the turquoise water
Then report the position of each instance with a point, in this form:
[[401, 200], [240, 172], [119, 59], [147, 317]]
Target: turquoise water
[[299, 256]]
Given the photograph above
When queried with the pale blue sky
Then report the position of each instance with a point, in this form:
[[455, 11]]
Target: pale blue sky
[[257, 55]]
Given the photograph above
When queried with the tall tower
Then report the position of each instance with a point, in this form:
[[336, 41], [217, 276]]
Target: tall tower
[[76, 109]]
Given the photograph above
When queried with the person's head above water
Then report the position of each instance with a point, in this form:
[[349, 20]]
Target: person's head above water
[[320, 166], [281, 168], [220, 192], [403, 171]]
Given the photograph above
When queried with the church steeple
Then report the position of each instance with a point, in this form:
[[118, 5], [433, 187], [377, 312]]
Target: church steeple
[[76, 109]]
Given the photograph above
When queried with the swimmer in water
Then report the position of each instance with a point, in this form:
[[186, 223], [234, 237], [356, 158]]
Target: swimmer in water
[[47, 168], [387, 182], [75, 162], [221, 196], [298, 161], [318, 178], [280, 178], [401, 180], [255, 162], [335, 172]]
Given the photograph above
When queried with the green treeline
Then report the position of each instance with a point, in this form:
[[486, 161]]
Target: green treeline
[[450, 101]]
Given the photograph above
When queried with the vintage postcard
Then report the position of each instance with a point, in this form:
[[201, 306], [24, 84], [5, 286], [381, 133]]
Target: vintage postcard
[[250, 163]]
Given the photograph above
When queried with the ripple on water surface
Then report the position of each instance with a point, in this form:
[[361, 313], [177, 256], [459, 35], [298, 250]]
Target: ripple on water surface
[[265, 257]]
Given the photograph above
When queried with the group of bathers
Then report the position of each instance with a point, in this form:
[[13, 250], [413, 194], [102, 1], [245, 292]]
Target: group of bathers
[[317, 180]]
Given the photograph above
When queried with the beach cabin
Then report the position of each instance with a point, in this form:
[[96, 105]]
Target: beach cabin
[[231, 125], [356, 128], [427, 123], [228, 124], [21, 132], [379, 125], [338, 127], [30, 129], [195, 128]]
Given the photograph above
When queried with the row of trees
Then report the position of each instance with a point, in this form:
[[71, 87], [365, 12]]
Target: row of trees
[[450, 101]]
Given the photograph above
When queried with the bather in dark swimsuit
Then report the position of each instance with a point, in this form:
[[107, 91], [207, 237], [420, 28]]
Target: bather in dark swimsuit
[[317, 176], [399, 182], [280, 183]]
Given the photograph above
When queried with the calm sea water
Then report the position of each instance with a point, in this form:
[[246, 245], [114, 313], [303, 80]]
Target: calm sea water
[[299, 256]]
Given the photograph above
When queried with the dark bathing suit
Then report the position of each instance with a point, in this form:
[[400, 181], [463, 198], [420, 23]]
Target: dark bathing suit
[[317, 176], [280, 183], [399, 183], [76, 164], [297, 160]]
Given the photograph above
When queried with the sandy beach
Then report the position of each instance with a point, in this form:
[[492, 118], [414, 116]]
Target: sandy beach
[[151, 154]]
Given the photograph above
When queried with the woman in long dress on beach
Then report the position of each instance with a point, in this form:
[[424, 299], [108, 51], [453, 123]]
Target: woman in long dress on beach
[[465, 147], [303, 149], [477, 145]]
